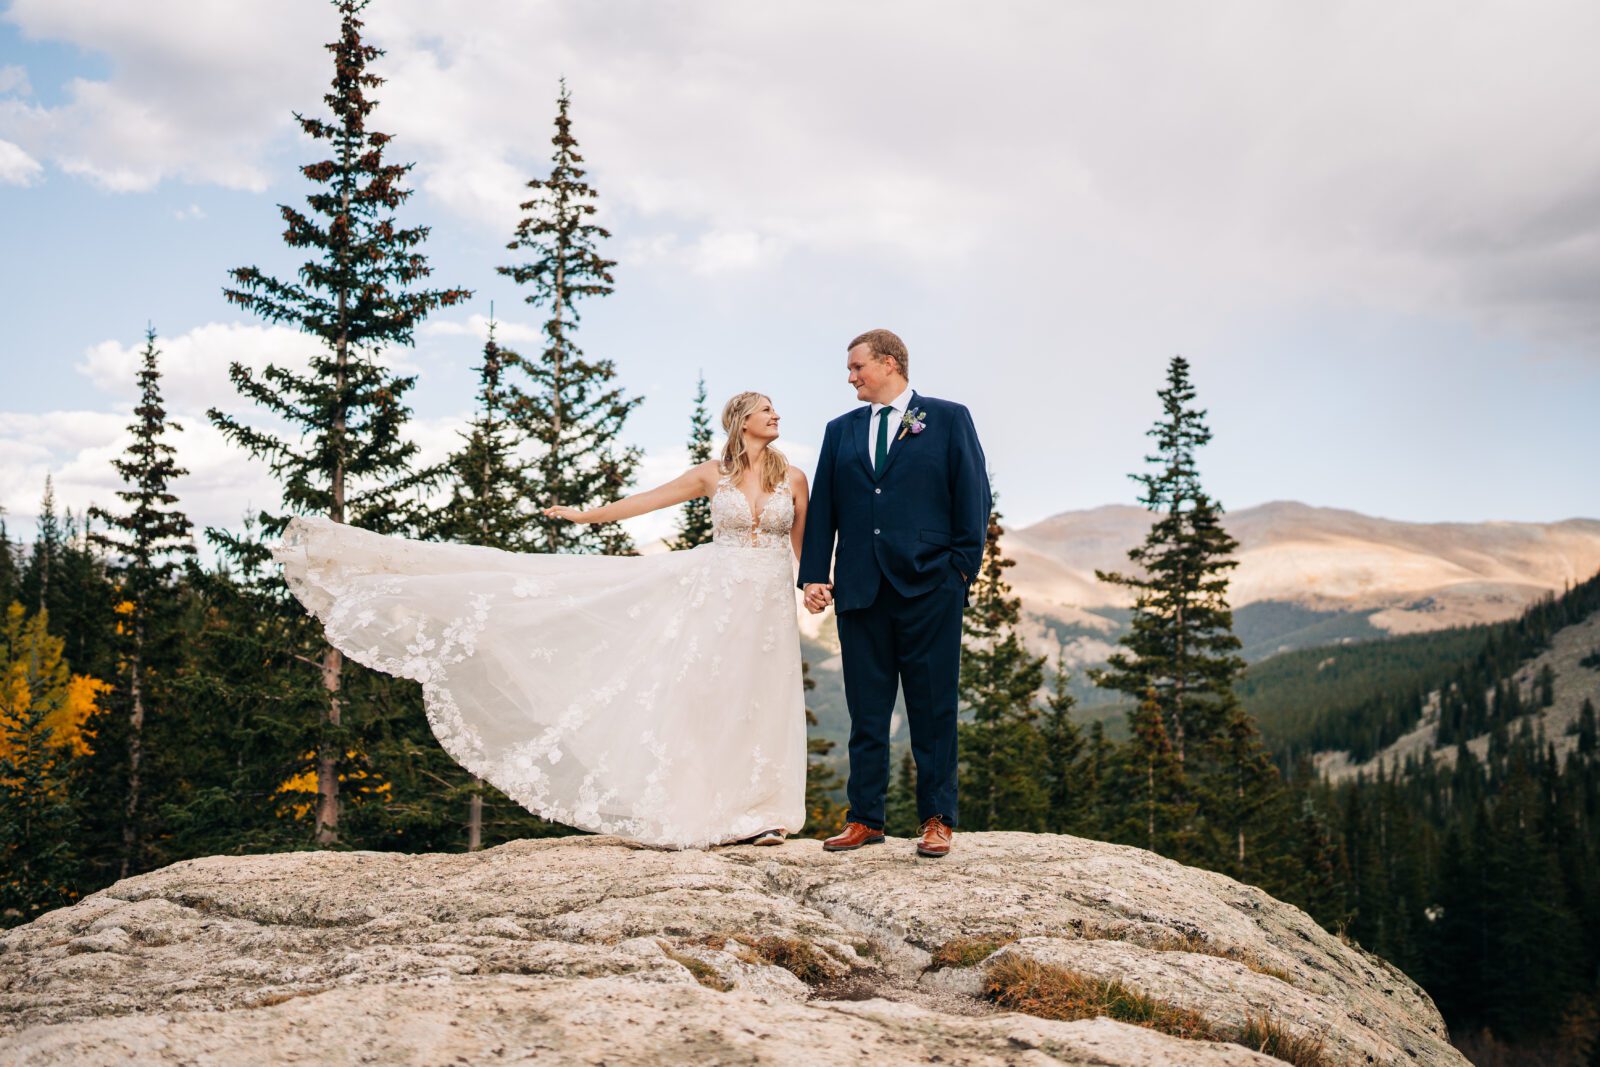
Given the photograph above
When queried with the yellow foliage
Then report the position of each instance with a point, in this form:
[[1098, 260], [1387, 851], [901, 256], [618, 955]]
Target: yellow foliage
[[34, 677], [306, 783], [83, 700]]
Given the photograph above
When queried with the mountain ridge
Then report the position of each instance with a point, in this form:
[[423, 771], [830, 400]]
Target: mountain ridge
[[1413, 576]]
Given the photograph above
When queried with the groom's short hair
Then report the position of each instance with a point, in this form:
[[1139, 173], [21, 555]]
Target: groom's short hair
[[882, 344]]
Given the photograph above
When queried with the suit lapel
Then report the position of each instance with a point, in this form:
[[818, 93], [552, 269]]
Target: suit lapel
[[858, 432], [900, 443]]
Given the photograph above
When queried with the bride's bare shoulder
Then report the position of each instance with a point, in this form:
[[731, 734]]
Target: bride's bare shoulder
[[797, 480], [707, 473]]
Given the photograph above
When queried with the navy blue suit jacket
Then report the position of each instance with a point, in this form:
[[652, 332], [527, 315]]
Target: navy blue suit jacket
[[925, 515]]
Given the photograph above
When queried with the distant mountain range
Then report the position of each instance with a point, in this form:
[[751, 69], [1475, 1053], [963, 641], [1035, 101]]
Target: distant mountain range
[[1307, 577]]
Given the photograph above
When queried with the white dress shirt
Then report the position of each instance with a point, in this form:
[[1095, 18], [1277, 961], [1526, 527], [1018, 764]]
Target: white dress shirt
[[900, 404]]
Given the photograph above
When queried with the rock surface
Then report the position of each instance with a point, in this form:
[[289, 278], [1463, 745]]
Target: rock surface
[[589, 950]]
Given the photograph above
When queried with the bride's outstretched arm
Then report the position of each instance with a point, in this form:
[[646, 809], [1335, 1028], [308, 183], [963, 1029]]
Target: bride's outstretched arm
[[801, 495], [696, 481]]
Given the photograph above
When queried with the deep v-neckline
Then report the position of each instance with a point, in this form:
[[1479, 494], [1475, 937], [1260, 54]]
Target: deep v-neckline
[[756, 514]]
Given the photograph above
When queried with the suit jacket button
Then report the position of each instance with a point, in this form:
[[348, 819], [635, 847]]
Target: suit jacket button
[[877, 531], [877, 490]]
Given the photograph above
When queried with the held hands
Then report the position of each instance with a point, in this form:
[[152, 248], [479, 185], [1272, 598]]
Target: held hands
[[559, 511], [818, 596]]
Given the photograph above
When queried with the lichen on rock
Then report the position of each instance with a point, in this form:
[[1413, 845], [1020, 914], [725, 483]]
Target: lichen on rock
[[579, 948]]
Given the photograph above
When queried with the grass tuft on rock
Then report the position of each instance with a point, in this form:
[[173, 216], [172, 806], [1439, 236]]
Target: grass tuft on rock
[[1267, 1035], [799, 958], [1025, 985], [968, 951], [1180, 941], [703, 972]]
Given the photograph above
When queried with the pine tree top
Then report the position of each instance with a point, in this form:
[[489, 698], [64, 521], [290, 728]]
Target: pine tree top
[[356, 293], [153, 527]]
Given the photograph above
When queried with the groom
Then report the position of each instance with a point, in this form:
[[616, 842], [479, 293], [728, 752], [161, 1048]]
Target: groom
[[903, 486]]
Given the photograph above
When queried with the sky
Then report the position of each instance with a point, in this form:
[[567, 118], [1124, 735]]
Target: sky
[[1372, 228]]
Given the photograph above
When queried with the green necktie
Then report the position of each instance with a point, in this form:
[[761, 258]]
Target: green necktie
[[882, 451]]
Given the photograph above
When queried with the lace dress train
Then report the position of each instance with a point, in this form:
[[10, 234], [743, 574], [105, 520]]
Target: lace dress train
[[656, 697]]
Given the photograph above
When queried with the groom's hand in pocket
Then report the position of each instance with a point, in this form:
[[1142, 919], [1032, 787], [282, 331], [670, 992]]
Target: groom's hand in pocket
[[818, 597]]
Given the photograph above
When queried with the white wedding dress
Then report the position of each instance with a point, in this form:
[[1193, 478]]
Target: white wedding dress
[[656, 697]]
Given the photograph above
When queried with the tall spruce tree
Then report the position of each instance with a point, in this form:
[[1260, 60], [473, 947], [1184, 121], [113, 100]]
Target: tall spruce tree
[[1152, 804], [694, 523], [1181, 644], [1064, 773], [48, 541], [490, 494], [1001, 747], [10, 571], [147, 543], [1242, 798], [356, 295], [573, 413]]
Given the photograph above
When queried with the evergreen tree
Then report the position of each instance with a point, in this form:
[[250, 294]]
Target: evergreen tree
[[1180, 643], [349, 460], [1066, 788], [572, 412], [148, 541], [244, 728], [900, 807], [1241, 793], [10, 571], [48, 541], [80, 601], [1099, 770], [1587, 734], [694, 524], [1532, 933], [1001, 748], [490, 493], [1151, 801], [823, 811], [1318, 849]]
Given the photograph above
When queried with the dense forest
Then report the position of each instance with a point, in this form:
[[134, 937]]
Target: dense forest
[[163, 697], [1361, 697]]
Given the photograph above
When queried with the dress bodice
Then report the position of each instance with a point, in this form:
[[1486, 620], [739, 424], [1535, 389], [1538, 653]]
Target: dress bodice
[[735, 524]]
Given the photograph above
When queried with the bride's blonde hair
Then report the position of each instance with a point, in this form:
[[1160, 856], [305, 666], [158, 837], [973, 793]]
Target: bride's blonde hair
[[735, 458]]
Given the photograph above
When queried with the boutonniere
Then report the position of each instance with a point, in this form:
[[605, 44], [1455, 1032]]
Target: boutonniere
[[914, 421]]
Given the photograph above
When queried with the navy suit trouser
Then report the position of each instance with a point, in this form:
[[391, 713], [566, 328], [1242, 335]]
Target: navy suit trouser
[[914, 642]]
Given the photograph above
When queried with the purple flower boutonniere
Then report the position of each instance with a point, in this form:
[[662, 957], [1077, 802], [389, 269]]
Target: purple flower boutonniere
[[914, 421]]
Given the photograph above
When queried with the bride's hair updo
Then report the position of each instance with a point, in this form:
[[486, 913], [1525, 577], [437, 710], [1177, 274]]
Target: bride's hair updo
[[735, 459]]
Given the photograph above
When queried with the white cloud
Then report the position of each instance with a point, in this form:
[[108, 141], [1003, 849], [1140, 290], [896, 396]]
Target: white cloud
[[477, 326], [14, 80], [197, 90], [194, 365], [1210, 160], [16, 166]]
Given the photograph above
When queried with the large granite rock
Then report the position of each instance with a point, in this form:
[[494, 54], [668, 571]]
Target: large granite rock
[[588, 950]]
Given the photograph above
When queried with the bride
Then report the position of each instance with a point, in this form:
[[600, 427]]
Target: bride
[[656, 697]]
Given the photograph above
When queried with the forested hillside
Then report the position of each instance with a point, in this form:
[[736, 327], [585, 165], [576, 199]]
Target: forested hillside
[[1361, 697]]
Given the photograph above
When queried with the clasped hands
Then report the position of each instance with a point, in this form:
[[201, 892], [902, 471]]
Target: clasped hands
[[818, 596]]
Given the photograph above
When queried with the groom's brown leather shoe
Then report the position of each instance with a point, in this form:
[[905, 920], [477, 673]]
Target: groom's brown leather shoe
[[854, 835], [935, 839]]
